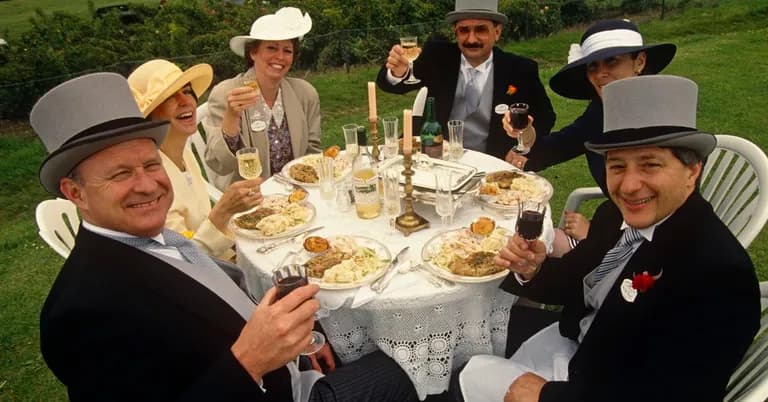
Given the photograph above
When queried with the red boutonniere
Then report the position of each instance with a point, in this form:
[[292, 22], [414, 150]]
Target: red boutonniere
[[643, 282], [511, 90]]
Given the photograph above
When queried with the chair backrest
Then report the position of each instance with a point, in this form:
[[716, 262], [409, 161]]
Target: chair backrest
[[57, 223], [735, 181], [199, 145], [749, 383]]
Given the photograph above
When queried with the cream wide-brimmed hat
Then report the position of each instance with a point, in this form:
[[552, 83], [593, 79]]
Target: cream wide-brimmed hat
[[84, 116], [286, 23], [476, 9], [156, 80], [651, 111]]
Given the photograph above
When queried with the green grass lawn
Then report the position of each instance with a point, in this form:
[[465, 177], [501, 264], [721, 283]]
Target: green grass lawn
[[722, 48]]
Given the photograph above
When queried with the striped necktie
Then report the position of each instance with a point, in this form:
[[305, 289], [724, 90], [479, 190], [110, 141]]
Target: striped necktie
[[471, 92], [615, 256], [186, 248]]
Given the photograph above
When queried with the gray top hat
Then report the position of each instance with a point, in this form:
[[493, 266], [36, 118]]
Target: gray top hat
[[651, 111], [476, 9], [83, 116]]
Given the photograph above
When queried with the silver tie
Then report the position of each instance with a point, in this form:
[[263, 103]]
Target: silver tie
[[471, 92], [615, 256]]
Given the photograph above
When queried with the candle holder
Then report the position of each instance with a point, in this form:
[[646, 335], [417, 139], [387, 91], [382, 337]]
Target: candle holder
[[409, 221], [374, 137]]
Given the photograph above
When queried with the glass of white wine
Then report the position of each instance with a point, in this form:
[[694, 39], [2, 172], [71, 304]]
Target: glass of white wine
[[390, 137], [256, 113], [412, 51], [248, 162], [351, 149]]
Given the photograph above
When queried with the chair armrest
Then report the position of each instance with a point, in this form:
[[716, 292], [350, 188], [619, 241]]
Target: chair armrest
[[576, 197], [213, 193]]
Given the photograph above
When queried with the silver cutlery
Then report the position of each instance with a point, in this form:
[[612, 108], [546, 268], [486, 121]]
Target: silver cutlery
[[379, 285], [289, 186], [431, 277], [269, 247]]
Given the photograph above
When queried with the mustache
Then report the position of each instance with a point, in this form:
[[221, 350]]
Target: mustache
[[473, 45]]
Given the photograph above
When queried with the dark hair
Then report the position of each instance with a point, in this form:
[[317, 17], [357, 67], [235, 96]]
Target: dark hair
[[689, 157], [251, 45]]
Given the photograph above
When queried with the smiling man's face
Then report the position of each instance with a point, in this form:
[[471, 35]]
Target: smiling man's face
[[476, 39]]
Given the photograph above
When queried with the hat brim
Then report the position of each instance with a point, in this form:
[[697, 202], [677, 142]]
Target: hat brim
[[571, 81], [59, 163], [454, 16], [237, 43], [700, 142], [199, 76]]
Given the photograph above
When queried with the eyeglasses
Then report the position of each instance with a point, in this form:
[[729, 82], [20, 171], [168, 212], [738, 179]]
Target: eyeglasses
[[478, 29]]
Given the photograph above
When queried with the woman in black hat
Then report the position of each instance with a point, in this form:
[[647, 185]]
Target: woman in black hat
[[609, 50]]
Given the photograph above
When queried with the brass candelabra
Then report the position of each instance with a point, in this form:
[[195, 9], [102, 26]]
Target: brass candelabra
[[409, 221], [374, 137]]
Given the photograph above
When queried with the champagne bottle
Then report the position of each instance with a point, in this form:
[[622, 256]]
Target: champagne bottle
[[431, 132], [365, 180]]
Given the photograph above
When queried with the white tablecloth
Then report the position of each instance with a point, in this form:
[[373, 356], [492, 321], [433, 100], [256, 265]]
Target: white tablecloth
[[428, 330]]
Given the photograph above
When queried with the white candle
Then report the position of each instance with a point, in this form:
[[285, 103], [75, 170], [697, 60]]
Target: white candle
[[407, 133], [371, 100]]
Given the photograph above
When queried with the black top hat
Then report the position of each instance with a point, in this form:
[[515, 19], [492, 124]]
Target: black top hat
[[602, 40]]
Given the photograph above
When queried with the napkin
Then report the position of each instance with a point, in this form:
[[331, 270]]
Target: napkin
[[364, 295]]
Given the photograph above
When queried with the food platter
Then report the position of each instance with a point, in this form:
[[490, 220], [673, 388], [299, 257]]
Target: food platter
[[458, 243], [342, 167], [517, 184], [299, 214], [380, 257], [424, 176]]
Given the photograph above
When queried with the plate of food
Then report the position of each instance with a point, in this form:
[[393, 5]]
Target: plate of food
[[503, 189], [467, 254], [279, 215], [344, 262], [303, 170]]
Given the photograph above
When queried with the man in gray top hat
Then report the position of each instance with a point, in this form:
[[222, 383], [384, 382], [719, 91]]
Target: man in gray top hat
[[652, 310], [138, 313], [471, 77]]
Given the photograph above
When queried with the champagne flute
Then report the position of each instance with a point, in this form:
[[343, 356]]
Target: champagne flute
[[350, 140], [256, 112], [444, 205], [390, 137], [410, 46], [456, 139], [530, 219], [391, 184], [248, 162], [518, 113], [286, 279]]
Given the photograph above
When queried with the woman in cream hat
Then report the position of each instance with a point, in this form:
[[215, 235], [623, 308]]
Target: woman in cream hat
[[262, 107], [164, 92], [609, 50]]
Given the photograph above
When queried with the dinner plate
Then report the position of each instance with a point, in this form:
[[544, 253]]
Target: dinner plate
[[543, 190], [341, 168], [257, 234], [381, 251], [433, 246]]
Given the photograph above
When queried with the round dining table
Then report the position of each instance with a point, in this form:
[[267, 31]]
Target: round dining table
[[428, 326]]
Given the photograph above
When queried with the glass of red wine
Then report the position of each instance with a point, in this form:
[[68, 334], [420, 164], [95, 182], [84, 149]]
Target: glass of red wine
[[288, 278], [518, 113], [530, 219]]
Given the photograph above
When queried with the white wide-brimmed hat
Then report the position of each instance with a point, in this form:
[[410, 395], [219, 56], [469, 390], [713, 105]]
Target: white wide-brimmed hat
[[651, 111], [476, 9], [286, 23], [602, 40], [86, 115], [156, 80]]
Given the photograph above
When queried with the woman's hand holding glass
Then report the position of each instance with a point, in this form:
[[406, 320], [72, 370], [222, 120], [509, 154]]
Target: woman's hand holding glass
[[525, 135]]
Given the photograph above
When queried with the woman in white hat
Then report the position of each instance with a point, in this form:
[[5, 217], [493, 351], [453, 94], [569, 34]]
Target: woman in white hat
[[609, 50], [164, 92], [282, 117]]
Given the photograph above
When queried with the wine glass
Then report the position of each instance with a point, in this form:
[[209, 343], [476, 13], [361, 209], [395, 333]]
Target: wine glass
[[530, 219], [518, 113], [256, 112], [286, 279], [410, 46], [248, 162], [444, 205]]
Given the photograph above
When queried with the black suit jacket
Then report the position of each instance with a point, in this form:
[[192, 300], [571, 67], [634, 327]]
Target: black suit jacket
[[438, 68], [680, 340], [120, 324]]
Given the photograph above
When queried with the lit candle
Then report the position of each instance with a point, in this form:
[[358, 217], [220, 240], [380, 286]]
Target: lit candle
[[407, 133], [371, 100]]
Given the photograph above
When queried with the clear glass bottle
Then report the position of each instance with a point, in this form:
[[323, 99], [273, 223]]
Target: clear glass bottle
[[365, 181], [431, 132]]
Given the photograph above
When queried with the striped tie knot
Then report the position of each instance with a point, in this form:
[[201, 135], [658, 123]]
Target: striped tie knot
[[615, 256]]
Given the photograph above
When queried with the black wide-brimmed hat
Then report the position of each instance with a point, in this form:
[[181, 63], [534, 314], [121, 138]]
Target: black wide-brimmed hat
[[86, 115], [603, 40], [476, 9], [651, 111]]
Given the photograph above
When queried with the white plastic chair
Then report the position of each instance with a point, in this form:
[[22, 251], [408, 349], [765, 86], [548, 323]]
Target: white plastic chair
[[734, 181], [57, 222], [749, 383], [198, 145]]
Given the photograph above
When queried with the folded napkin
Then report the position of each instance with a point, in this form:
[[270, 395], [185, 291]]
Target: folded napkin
[[364, 295]]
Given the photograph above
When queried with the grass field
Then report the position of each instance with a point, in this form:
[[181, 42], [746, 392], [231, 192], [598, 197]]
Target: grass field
[[722, 48]]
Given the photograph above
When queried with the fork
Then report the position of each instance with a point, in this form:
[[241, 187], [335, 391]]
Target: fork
[[287, 184]]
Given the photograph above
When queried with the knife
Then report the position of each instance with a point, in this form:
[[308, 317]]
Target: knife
[[269, 247], [382, 283]]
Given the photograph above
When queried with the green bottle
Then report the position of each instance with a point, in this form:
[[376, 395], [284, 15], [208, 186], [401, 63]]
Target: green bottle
[[431, 132]]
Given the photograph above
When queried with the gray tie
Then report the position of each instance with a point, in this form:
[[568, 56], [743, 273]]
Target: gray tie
[[471, 92], [188, 250], [615, 256]]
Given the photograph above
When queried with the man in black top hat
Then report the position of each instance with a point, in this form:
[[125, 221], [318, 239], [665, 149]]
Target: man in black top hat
[[653, 311], [471, 77]]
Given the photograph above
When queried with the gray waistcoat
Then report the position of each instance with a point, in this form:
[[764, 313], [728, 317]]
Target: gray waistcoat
[[476, 124]]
